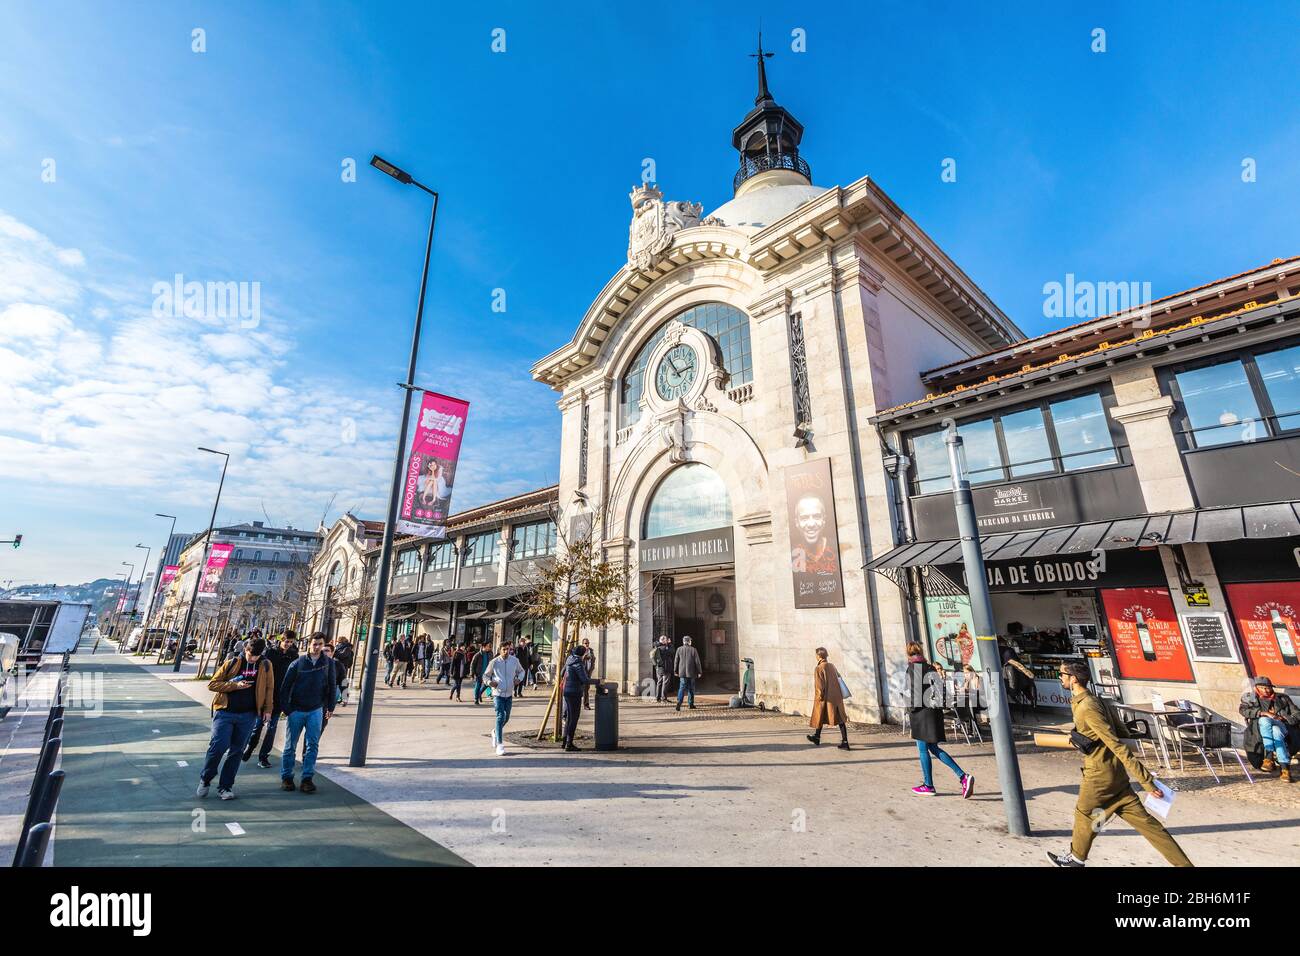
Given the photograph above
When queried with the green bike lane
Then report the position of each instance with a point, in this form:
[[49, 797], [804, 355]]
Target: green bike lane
[[129, 792]]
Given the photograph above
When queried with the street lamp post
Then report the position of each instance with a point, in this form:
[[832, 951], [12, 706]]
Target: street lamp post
[[157, 585], [198, 572], [112, 627], [117, 614], [139, 585], [986, 637], [375, 636]]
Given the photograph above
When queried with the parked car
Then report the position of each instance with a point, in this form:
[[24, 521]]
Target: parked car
[[152, 640]]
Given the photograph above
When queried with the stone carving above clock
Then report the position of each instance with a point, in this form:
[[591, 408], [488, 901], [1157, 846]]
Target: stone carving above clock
[[654, 223]]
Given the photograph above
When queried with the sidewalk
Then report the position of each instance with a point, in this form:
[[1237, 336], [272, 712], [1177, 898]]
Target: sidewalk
[[741, 788], [129, 800], [718, 787]]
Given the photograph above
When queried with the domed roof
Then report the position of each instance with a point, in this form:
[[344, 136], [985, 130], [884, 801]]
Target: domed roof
[[760, 208]]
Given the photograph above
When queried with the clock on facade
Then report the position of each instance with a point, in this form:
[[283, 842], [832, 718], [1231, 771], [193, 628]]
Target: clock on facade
[[676, 372]]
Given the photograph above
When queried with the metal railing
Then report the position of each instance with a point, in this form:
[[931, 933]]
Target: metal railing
[[753, 165], [47, 784]]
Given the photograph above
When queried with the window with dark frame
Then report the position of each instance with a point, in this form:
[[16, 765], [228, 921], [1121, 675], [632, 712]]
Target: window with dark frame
[[1240, 397], [441, 557], [408, 561], [1055, 435], [482, 548], [534, 540]]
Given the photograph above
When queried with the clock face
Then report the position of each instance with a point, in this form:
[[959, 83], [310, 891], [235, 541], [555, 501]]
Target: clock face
[[676, 372]]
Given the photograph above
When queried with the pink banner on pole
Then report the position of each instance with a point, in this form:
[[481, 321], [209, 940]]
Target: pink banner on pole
[[431, 467], [218, 558], [168, 575]]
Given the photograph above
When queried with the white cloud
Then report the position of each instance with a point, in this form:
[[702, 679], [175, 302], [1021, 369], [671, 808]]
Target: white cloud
[[103, 402]]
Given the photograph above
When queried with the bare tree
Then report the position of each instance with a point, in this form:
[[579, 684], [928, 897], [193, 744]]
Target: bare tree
[[579, 588]]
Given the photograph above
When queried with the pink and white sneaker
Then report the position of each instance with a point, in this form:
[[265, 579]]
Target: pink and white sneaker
[[967, 785], [924, 791]]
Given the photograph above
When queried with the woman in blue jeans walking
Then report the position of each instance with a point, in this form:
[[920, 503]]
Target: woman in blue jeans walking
[[925, 720]]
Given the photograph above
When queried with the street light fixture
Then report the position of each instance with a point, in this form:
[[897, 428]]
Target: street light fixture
[[139, 586], [117, 614], [375, 634], [198, 571], [986, 636]]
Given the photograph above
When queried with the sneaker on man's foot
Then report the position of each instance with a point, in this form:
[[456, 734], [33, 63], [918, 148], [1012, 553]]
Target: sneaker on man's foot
[[967, 785], [501, 750], [286, 783], [1269, 765], [569, 748], [203, 789], [307, 785], [923, 791], [1064, 859], [264, 763], [226, 794]]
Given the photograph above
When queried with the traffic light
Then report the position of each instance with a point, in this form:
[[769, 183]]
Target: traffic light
[[18, 540]]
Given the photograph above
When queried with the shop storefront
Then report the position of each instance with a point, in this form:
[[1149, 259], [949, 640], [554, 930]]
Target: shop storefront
[[1111, 611], [1261, 582]]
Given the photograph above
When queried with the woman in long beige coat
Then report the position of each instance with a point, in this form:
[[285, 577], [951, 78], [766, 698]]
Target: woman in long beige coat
[[828, 701]]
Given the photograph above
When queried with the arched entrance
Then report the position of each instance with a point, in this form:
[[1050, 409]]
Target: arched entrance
[[687, 560]]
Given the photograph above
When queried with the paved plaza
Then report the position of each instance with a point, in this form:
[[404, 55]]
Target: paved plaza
[[713, 788]]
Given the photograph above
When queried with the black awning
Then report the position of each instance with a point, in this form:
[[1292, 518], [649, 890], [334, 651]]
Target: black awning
[[1198, 526]]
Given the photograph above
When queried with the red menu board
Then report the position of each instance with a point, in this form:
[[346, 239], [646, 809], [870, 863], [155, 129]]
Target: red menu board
[[1144, 629], [1266, 616]]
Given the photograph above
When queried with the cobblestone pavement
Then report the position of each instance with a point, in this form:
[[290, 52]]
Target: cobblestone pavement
[[719, 787]]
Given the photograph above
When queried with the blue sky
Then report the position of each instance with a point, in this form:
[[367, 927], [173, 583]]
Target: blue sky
[[226, 165]]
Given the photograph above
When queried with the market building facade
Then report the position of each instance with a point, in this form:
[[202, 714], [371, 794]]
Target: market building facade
[[715, 402], [1137, 483]]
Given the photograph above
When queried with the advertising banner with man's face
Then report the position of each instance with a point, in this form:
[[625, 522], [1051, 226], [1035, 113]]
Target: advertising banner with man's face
[[1268, 620], [431, 466], [218, 558], [1144, 628], [814, 541]]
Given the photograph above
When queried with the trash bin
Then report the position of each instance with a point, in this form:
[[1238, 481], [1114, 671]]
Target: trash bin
[[606, 716]]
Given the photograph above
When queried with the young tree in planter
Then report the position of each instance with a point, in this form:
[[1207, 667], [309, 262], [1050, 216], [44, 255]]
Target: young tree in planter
[[580, 589]]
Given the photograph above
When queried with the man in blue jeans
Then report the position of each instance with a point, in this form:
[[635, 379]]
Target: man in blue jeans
[[244, 688], [307, 697], [501, 675], [1272, 727], [687, 667]]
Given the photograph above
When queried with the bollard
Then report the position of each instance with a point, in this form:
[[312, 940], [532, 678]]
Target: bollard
[[49, 754], [56, 728], [49, 799], [32, 850], [55, 713]]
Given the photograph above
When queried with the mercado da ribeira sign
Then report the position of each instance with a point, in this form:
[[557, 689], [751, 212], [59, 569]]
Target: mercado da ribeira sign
[[694, 550]]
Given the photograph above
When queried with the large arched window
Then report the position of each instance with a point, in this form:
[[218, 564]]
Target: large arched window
[[728, 326], [691, 498]]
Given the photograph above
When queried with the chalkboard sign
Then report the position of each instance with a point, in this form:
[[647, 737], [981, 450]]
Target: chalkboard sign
[[1210, 636]]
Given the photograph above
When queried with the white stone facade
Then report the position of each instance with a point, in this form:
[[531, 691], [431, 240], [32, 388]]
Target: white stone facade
[[878, 301]]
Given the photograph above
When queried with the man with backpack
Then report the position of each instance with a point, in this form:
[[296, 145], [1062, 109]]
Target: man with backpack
[[243, 689]]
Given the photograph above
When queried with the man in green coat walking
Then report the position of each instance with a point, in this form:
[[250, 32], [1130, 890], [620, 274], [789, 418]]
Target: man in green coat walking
[[1105, 790]]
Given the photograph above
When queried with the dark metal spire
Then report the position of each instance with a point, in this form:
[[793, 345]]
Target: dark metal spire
[[764, 95]]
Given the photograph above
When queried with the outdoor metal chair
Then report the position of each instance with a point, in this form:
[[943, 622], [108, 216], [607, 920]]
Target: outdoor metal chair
[[1108, 690], [1139, 727], [1194, 726]]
